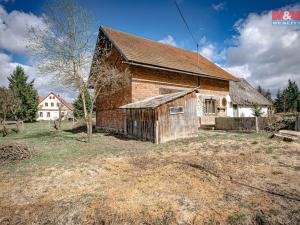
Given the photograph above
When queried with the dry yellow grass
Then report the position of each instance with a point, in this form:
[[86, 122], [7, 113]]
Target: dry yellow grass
[[216, 178]]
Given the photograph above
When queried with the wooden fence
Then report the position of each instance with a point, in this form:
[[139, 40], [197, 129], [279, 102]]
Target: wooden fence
[[297, 124], [240, 123]]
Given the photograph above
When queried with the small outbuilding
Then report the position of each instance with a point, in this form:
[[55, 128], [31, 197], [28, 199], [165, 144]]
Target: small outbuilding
[[243, 98], [162, 118]]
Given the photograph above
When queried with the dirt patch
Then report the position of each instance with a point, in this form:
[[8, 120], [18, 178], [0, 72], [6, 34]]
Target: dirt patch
[[14, 151]]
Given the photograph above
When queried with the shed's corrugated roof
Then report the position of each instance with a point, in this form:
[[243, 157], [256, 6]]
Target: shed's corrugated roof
[[242, 93], [156, 101], [147, 52]]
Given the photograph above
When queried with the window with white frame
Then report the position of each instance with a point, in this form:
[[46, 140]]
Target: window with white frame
[[176, 110], [48, 114], [210, 106], [41, 114]]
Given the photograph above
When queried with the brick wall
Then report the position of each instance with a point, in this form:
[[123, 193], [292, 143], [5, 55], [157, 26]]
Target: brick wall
[[214, 85], [108, 114], [149, 83]]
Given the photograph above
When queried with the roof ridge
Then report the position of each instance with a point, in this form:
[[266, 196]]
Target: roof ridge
[[145, 52], [148, 39], [165, 45]]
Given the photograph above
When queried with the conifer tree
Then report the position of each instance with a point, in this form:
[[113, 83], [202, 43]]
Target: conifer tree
[[292, 94], [266, 93], [25, 92], [278, 103], [288, 100]]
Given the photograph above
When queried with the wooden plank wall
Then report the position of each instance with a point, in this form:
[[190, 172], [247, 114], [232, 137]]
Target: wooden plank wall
[[297, 124], [181, 125], [240, 123], [140, 124]]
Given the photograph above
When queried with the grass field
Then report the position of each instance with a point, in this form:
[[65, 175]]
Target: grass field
[[214, 178]]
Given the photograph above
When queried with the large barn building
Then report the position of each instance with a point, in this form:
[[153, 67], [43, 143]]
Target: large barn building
[[158, 69]]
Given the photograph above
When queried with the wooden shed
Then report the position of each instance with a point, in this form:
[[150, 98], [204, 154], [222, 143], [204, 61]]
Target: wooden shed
[[162, 118]]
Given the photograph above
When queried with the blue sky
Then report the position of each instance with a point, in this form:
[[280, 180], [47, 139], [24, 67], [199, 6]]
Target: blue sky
[[214, 24]]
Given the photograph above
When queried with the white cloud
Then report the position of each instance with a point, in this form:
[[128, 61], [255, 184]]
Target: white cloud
[[44, 83], [14, 29], [169, 40], [239, 71], [210, 51], [219, 7], [265, 54], [7, 1], [14, 38]]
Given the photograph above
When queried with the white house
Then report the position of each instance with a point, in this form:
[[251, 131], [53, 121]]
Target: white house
[[242, 99], [50, 105]]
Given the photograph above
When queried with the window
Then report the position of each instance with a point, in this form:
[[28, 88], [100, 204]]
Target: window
[[52, 104], [46, 103], [57, 104], [176, 110], [41, 114], [48, 114], [210, 106]]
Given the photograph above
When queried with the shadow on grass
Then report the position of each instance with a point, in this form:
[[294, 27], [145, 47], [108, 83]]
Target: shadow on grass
[[120, 136], [53, 135], [82, 129], [77, 130]]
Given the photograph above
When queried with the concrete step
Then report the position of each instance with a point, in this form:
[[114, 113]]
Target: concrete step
[[285, 137], [290, 133]]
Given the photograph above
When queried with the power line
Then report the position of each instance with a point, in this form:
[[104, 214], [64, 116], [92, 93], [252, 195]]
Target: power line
[[189, 29], [185, 22]]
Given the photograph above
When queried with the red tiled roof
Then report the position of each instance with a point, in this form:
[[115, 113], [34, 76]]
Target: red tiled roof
[[41, 98], [68, 105], [147, 52]]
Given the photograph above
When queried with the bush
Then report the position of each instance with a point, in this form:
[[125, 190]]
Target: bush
[[281, 122], [261, 219], [237, 218]]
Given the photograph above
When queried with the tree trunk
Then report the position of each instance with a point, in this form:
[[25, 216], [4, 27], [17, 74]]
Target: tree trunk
[[59, 116], [256, 124], [17, 127], [90, 128], [5, 130]]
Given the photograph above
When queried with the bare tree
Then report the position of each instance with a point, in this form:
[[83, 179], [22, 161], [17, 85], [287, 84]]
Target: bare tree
[[4, 109], [64, 49], [9, 104], [57, 122]]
